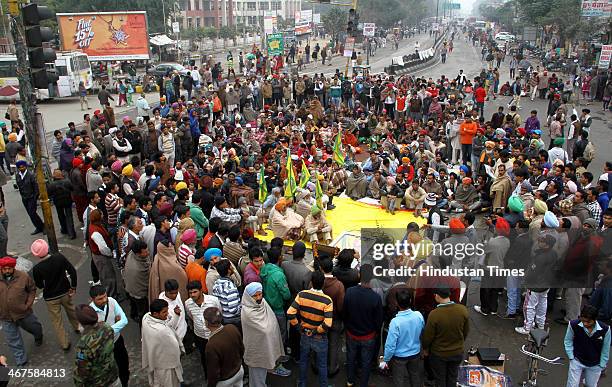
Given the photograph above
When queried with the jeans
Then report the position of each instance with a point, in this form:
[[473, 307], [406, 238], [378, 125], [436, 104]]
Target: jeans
[[13, 337], [335, 344], [577, 370], [364, 350], [407, 371], [513, 286], [200, 344], [445, 369], [475, 159], [318, 344]]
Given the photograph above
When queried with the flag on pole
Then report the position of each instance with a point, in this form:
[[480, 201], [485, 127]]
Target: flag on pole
[[319, 193], [304, 176], [291, 187], [263, 187], [338, 155]]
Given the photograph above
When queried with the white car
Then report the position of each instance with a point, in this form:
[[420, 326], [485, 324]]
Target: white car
[[505, 36]]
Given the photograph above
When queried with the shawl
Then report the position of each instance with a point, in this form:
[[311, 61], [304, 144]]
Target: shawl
[[164, 267], [375, 187], [356, 185], [262, 340], [466, 196], [161, 347], [184, 225], [281, 224], [502, 187], [136, 275], [528, 200]]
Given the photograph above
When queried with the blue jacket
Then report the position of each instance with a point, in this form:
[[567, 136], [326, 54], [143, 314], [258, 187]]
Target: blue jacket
[[404, 337]]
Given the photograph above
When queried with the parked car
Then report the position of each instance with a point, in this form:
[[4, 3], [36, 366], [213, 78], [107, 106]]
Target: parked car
[[163, 68], [505, 36]]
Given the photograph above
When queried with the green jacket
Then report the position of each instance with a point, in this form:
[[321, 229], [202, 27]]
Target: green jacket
[[275, 288], [201, 223], [95, 363]]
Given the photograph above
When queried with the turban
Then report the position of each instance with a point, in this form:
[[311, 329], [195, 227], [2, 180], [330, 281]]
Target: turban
[[527, 186], [405, 160], [166, 209], [86, 314], [113, 130], [12, 137], [390, 180], [566, 204], [281, 204], [8, 262], [39, 248], [464, 168], [500, 132], [431, 199], [456, 226], [239, 180], [210, 253], [189, 236], [21, 163], [572, 186], [127, 170], [515, 204], [540, 206], [466, 180], [480, 130], [522, 131], [97, 112], [126, 119], [550, 220], [314, 210], [253, 288], [116, 166], [217, 182], [537, 131], [535, 142], [558, 141], [502, 227], [76, 162], [489, 144], [181, 185]]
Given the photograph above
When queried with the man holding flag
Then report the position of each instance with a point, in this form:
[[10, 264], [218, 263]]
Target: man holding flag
[[267, 202]]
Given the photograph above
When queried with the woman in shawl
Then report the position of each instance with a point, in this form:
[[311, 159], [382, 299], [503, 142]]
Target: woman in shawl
[[263, 344], [356, 184], [285, 223], [66, 155], [501, 187], [165, 267]]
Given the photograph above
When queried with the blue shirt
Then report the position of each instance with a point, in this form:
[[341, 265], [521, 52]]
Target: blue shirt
[[117, 311], [404, 338], [568, 342]]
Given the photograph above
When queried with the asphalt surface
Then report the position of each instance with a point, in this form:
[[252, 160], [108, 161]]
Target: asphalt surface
[[488, 331]]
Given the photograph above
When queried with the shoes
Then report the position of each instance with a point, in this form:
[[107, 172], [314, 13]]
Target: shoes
[[478, 309], [37, 231], [280, 371], [330, 206], [92, 283], [38, 341], [521, 330]]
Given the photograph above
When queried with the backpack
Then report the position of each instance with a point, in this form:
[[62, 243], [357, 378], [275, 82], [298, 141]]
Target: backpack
[[589, 151]]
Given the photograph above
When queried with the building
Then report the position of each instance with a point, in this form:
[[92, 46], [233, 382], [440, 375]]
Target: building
[[217, 13]]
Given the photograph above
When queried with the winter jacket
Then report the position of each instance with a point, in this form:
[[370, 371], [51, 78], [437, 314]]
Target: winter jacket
[[275, 287]]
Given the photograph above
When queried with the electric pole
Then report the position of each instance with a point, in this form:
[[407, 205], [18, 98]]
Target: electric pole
[[27, 71]]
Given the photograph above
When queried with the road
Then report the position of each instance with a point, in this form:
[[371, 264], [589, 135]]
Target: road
[[485, 331]]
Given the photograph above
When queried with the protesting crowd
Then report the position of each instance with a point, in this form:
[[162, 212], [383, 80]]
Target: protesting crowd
[[197, 215]]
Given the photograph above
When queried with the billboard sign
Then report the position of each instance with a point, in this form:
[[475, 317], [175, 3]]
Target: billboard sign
[[604, 57], [369, 29], [270, 22], [303, 21], [596, 8], [105, 35], [349, 45], [276, 45]]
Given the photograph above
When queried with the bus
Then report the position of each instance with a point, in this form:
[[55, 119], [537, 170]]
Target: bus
[[71, 68]]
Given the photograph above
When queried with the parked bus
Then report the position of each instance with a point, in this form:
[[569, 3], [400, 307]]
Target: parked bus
[[71, 68]]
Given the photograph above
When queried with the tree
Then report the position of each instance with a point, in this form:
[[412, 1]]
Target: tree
[[334, 22], [211, 33], [226, 33]]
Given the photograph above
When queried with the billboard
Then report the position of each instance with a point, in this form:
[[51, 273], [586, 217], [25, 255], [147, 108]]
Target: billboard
[[276, 45], [302, 22], [604, 57], [369, 29], [596, 8], [105, 35]]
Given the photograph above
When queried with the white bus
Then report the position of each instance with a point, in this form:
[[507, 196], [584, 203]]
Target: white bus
[[71, 68]]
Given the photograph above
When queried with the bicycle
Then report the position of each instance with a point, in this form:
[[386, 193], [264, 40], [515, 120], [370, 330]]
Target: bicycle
[[538, 339]]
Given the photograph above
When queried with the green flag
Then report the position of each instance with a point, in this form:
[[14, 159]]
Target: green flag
[[263, 187], [291, 187], [338, 155], [319, 193], [304, 176]]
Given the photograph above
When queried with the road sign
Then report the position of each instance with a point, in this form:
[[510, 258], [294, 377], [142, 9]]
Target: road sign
[[348, 47], [604, 57], [369, 29], [176, 27]]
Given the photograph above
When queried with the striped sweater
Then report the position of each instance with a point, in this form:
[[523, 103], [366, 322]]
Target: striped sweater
[[185, 255], [227, 293], [113, 205], [312, 309]]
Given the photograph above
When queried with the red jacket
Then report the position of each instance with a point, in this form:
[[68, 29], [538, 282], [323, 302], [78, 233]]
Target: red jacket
[[480, 94]]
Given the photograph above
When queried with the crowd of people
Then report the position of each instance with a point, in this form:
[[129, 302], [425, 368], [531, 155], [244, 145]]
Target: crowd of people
[[175, 206]]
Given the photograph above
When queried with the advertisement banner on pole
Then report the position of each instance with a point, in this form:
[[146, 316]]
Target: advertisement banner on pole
[[369, 29], [303, 21], [105, 35], [349, 44], [270, 22], [316, 18], [276, 45], [596, 8], [604, 57]]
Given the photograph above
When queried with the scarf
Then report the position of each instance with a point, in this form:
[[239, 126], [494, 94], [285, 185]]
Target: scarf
[[164, 267], [262, 340], [161, 347]]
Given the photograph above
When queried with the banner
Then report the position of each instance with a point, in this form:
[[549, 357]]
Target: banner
[[105, 35], [596, 8], [316, 18], [275, 44], [604, 57], [349, 44], [270, 22], [304, 15], [369, 29], [303, 20]]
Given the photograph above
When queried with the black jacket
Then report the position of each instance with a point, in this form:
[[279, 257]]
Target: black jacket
[[60, 192], [50, 275], [27, 185]]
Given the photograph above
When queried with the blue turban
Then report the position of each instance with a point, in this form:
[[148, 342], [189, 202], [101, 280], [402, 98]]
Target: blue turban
[[465, 169], [550, 220], [214, 252], [20, 163], [239, 180], [253, 288]]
